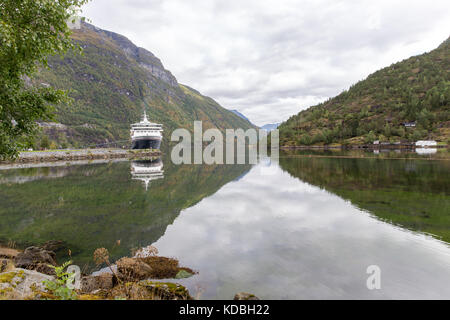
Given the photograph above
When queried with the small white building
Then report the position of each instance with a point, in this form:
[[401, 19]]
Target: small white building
[[426, 143]]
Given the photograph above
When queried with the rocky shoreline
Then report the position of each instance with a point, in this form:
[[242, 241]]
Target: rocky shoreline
[[33, 274], [85, 154]]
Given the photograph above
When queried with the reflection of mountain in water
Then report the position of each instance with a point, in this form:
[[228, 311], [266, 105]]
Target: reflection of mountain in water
[[147, 171], [27, 172], [417, 199], [36, 175], [96, 205]]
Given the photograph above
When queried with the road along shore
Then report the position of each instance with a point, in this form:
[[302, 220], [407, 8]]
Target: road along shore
[[84, 154]]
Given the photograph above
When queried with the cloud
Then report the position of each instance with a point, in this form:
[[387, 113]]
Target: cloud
[[271, 58], [281, 238]]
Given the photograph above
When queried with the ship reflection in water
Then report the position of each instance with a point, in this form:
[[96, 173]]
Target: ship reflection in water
[[147, 171]]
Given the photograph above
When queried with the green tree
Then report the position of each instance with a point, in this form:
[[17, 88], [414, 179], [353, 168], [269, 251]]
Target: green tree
[[370, 138], [305, 140], [45, 142], [30, 31], [387, 130]]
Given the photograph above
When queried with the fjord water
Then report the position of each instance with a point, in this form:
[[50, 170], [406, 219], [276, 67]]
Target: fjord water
[[303, 228]]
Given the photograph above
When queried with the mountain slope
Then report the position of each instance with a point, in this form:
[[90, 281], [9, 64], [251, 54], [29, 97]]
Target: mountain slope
[[415, 91], [111, 84], [242, 116]]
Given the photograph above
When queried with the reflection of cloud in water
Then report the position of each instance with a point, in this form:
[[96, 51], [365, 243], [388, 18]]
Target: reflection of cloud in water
[[147, 171], [280, 238]]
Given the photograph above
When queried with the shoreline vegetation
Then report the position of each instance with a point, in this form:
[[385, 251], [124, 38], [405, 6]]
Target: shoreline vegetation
[[377, 152], [363, 147], [33, 274], [81, 154]]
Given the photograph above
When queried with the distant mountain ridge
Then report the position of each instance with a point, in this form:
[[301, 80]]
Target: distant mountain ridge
[[242, 116], [407, 101], [111, 84], [270, 126]]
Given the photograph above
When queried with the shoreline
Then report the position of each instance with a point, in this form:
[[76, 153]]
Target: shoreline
[[363, 147], [77, 155], [143, 276]]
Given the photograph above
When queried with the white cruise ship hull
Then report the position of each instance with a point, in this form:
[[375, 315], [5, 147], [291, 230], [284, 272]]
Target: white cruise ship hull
[[146, 143]]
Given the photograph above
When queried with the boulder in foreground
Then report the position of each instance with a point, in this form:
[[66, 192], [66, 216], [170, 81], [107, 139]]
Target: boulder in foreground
[[38, 259], [20, 284]]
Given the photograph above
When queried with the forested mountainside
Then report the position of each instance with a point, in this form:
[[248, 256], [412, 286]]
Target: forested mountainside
[[406, 101], [111, 83]]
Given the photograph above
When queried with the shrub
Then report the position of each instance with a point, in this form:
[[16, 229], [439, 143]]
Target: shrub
[[61, 287]]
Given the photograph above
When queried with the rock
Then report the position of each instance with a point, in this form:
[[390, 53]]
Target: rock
[[22, 284], [53, 245], [183, 274], [34, 258], [90, 284], [8, 253], [150, 290], [245, 296], [133, 269], [165, 268], [4, 264]]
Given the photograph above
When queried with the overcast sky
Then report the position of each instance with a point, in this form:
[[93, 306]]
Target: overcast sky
[[269, 59]]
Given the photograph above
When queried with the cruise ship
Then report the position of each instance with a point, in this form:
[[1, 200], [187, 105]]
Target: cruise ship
[[147, 171], [146, 135]]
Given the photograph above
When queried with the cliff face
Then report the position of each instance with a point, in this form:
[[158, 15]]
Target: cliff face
[[112, 82], [143, 57]]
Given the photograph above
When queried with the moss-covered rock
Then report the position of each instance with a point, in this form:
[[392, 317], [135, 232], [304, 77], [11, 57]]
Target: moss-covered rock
[[22, 284], [150, 290], [166, 268], [245, 296]]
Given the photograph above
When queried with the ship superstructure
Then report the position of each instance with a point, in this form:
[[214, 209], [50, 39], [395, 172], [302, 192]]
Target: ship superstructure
[[147, 171], [146, 134]]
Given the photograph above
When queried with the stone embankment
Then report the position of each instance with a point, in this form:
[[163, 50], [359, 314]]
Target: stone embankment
[[85, 154]]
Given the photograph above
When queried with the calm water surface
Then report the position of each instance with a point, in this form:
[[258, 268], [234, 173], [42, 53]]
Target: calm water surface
[[303, 228]]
